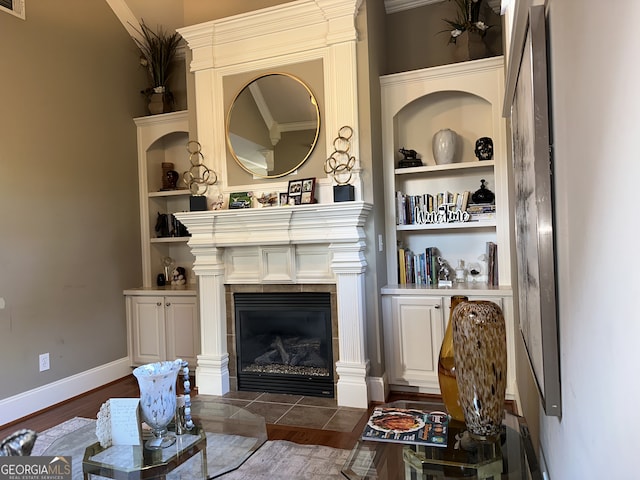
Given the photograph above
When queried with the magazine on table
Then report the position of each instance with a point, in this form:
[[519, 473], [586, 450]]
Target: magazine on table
[[401, 425]]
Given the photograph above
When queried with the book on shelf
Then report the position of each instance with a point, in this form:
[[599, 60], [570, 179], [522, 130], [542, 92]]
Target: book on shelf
[[408, 426], [479, 217], [418, 268], [476, 208], [402, 267], [492, 263], [427, 202]]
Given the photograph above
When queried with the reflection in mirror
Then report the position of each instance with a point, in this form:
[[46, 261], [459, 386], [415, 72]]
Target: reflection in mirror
[[273, 125]]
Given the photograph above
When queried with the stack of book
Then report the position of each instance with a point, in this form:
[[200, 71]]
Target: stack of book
[[406, 204], [481, 211], [418, 268]]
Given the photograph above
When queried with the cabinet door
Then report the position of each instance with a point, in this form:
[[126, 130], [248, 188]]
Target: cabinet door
[[146, 320], [183, 332], [413, 335]]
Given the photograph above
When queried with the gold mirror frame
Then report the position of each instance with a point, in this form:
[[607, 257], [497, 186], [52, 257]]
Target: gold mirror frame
[[263, 100]]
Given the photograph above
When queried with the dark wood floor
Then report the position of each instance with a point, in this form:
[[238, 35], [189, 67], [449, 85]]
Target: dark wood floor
[[88, 405]]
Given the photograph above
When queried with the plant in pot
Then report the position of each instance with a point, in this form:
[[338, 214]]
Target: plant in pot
[[158, 55], [467, 20]]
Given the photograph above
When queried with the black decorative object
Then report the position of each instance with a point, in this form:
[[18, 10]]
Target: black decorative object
[[161, 280], [410, 159], [163, 226], [483, 194], [484, 148], [167, 225], [172, 179], [197, 203], [343, 193]]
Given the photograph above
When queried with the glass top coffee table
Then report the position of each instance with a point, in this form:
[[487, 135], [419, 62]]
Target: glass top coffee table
[[511, 457], [224, 438]]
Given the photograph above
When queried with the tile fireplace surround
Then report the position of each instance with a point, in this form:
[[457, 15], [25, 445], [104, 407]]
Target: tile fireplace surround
[[305, 244]]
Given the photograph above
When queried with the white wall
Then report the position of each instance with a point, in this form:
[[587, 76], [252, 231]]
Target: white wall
[[596, 114]]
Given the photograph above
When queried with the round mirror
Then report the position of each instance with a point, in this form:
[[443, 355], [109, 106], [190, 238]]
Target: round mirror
[[273, 125]]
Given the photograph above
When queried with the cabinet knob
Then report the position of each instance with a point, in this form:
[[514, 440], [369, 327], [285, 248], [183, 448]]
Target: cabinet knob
[[437, 306], [159, 304], [168, 304]]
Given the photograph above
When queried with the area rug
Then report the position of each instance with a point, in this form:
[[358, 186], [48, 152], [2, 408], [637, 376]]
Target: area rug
[[276, 459]]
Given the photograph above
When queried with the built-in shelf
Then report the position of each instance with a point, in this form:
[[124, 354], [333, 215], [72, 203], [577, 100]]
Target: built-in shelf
[[170, 193], [444, 168], [446, 226], [169, 240]]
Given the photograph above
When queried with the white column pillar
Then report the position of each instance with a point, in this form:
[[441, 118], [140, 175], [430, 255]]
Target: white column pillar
[[349, 265], [212, 371]]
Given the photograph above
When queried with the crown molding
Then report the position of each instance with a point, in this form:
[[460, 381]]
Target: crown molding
[[394, 6], [269, 32]]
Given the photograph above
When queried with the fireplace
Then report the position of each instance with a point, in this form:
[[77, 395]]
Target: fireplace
[[282, 248], [283, 343]]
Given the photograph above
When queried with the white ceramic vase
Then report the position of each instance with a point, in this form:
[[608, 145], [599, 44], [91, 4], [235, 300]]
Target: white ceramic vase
[[444, 146]]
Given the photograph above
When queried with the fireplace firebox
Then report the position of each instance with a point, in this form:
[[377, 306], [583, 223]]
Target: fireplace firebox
[[283, 343]]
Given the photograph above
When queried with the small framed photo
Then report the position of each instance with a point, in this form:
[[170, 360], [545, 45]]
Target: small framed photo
[[240, 200], [283, 200], [294, 192], [308, 190]]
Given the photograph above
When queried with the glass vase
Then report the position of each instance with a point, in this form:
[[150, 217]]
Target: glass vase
[[480, 351], [157, 382], [447, 367]]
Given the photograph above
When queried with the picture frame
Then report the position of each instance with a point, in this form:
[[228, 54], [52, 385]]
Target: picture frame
[[529, 110], [239, 200], [294, 192], [283, 199], [308, 191]]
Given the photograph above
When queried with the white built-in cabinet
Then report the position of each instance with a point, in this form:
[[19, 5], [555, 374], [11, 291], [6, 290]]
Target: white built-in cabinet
[[466, 97], [163, 321], [414, 325], [162, 327]]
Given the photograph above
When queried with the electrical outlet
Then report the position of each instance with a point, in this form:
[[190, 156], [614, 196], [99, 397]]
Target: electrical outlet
[[44, 362]]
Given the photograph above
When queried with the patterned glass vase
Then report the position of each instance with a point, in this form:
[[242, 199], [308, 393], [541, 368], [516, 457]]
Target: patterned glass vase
[[480, 352], [157, 382], [447, 367]]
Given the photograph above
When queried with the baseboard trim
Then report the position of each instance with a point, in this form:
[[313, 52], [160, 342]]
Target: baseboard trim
[[32, 401], [378, 388]]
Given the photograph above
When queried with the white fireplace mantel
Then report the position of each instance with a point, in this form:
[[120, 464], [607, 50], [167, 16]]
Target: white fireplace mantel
[[320, 243]]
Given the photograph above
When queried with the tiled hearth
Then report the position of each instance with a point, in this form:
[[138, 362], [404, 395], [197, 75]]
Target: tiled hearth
[[297, 410]]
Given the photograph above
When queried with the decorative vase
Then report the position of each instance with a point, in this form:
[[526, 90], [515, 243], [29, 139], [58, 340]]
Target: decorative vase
[[480, 352], [447, 367], [483, 194], [157, 383], [471, 46], [444, 146], [160, 101]]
